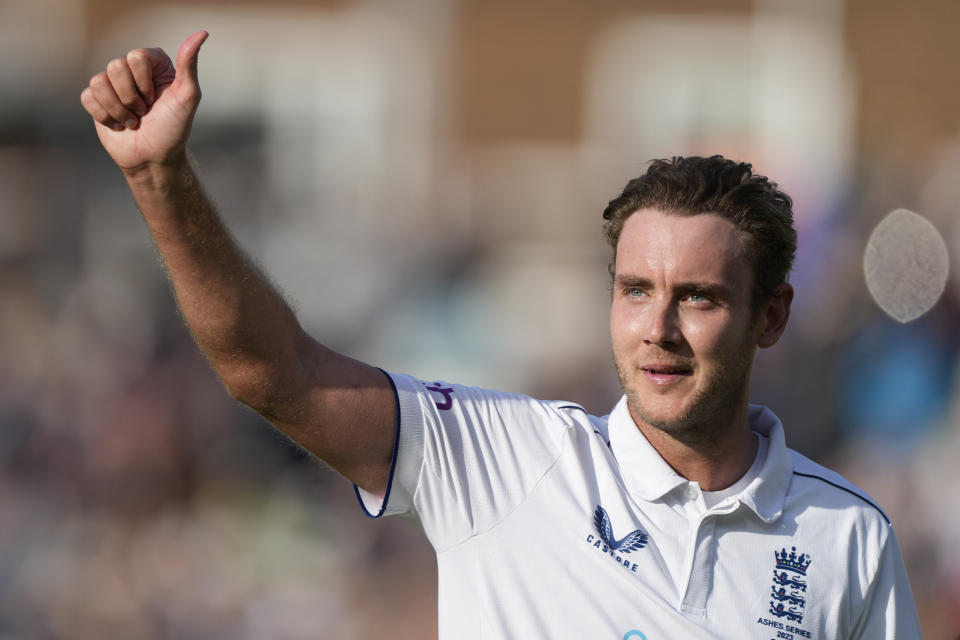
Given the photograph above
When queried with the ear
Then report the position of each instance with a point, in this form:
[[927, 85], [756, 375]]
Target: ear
[[774, 315]]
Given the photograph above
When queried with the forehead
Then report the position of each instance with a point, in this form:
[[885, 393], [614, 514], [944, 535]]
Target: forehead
[[702, 247]]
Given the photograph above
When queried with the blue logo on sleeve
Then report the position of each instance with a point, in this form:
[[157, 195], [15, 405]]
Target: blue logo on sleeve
[[446, 392]]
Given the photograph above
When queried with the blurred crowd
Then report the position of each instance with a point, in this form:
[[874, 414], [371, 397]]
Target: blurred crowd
[[138, 500]]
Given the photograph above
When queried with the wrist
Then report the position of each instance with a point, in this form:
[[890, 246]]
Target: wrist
[[158, 176]]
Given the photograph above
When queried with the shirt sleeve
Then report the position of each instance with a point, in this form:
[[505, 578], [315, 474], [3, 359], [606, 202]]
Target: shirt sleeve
[[889, 610], [464, 457]]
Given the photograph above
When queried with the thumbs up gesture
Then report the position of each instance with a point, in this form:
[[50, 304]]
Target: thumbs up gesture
[[143, 106]]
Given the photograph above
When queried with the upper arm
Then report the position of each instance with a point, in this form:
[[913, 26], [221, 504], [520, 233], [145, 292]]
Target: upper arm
[[467, 456], [888, 610]]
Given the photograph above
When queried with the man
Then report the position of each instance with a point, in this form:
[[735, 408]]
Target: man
[[682, 514]]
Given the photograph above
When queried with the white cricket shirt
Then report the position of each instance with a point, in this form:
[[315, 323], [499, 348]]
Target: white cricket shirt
[[552, 523]]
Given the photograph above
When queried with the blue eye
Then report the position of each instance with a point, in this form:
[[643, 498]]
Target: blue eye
[[699, 300]]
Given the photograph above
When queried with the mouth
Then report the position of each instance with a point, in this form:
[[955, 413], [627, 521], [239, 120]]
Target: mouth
[[662, 374]]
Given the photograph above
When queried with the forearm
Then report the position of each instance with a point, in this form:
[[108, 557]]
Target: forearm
[[241, 323]]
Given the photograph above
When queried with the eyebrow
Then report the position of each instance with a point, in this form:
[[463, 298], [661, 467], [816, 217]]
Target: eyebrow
[[712, 289]]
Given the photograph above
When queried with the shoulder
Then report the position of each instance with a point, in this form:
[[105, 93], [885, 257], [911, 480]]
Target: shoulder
[[450, 404], [857, 553], [855, 535], [821, 486]]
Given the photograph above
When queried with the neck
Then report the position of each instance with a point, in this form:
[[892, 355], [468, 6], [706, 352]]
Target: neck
[[714, 457]]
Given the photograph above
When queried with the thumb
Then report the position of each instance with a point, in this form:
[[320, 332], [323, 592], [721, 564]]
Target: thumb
[[187, 56]]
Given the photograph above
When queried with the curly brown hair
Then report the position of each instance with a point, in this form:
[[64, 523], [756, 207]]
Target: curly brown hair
[[694, 185]]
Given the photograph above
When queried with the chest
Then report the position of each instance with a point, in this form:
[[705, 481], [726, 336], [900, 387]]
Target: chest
[[589, 560]]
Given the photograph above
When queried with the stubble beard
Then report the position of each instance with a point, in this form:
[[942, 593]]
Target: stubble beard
[[711, 412]]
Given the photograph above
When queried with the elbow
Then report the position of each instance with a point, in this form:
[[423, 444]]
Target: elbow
[[256, 386], [262, 379]]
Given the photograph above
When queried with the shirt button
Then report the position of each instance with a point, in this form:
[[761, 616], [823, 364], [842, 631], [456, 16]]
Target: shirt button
[[691, 492]]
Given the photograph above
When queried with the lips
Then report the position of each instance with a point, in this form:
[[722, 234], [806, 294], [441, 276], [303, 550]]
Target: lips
[[667, 369], [663, 373]]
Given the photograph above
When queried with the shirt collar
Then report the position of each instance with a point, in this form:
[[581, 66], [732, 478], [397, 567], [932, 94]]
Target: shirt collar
[[649, 477], [646, 474], [768, 491]]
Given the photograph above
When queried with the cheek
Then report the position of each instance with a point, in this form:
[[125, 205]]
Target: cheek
[[624, 325], [708, 334]]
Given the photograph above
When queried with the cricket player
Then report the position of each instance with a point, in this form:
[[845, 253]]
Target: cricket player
[[681, 514]]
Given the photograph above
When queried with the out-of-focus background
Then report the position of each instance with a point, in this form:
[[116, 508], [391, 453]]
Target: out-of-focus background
[[424, 179]]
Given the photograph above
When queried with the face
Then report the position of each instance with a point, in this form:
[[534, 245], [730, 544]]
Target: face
[[683, 330]]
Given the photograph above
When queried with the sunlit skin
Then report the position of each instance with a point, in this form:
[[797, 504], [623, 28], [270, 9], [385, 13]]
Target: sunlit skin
[[684, 335]]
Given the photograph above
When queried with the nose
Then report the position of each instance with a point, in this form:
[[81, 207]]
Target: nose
[[663, 327]]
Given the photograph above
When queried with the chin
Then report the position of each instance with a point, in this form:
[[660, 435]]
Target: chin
[[669, 419]]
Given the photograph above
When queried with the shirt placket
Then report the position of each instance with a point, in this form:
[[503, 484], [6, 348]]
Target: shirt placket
[[700, 562]]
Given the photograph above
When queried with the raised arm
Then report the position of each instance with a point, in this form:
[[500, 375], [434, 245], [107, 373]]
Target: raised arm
[[339, 409]]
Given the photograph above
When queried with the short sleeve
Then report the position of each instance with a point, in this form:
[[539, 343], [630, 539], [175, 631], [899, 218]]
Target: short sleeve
[[465, 457], [406, 460], [889, 610]]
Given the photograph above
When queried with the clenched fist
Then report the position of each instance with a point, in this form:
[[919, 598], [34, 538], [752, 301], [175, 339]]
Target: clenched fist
[[143, 106]]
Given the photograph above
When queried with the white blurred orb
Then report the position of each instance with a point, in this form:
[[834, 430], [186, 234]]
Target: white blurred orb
[[906, 265]]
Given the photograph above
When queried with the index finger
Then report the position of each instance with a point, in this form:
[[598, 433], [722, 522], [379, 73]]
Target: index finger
[[146, 65]]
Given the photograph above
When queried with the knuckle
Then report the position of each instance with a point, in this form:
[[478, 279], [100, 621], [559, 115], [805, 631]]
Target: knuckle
[[138, 55], [116, 65], [88, 101], [191, 93], [99, 80]]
